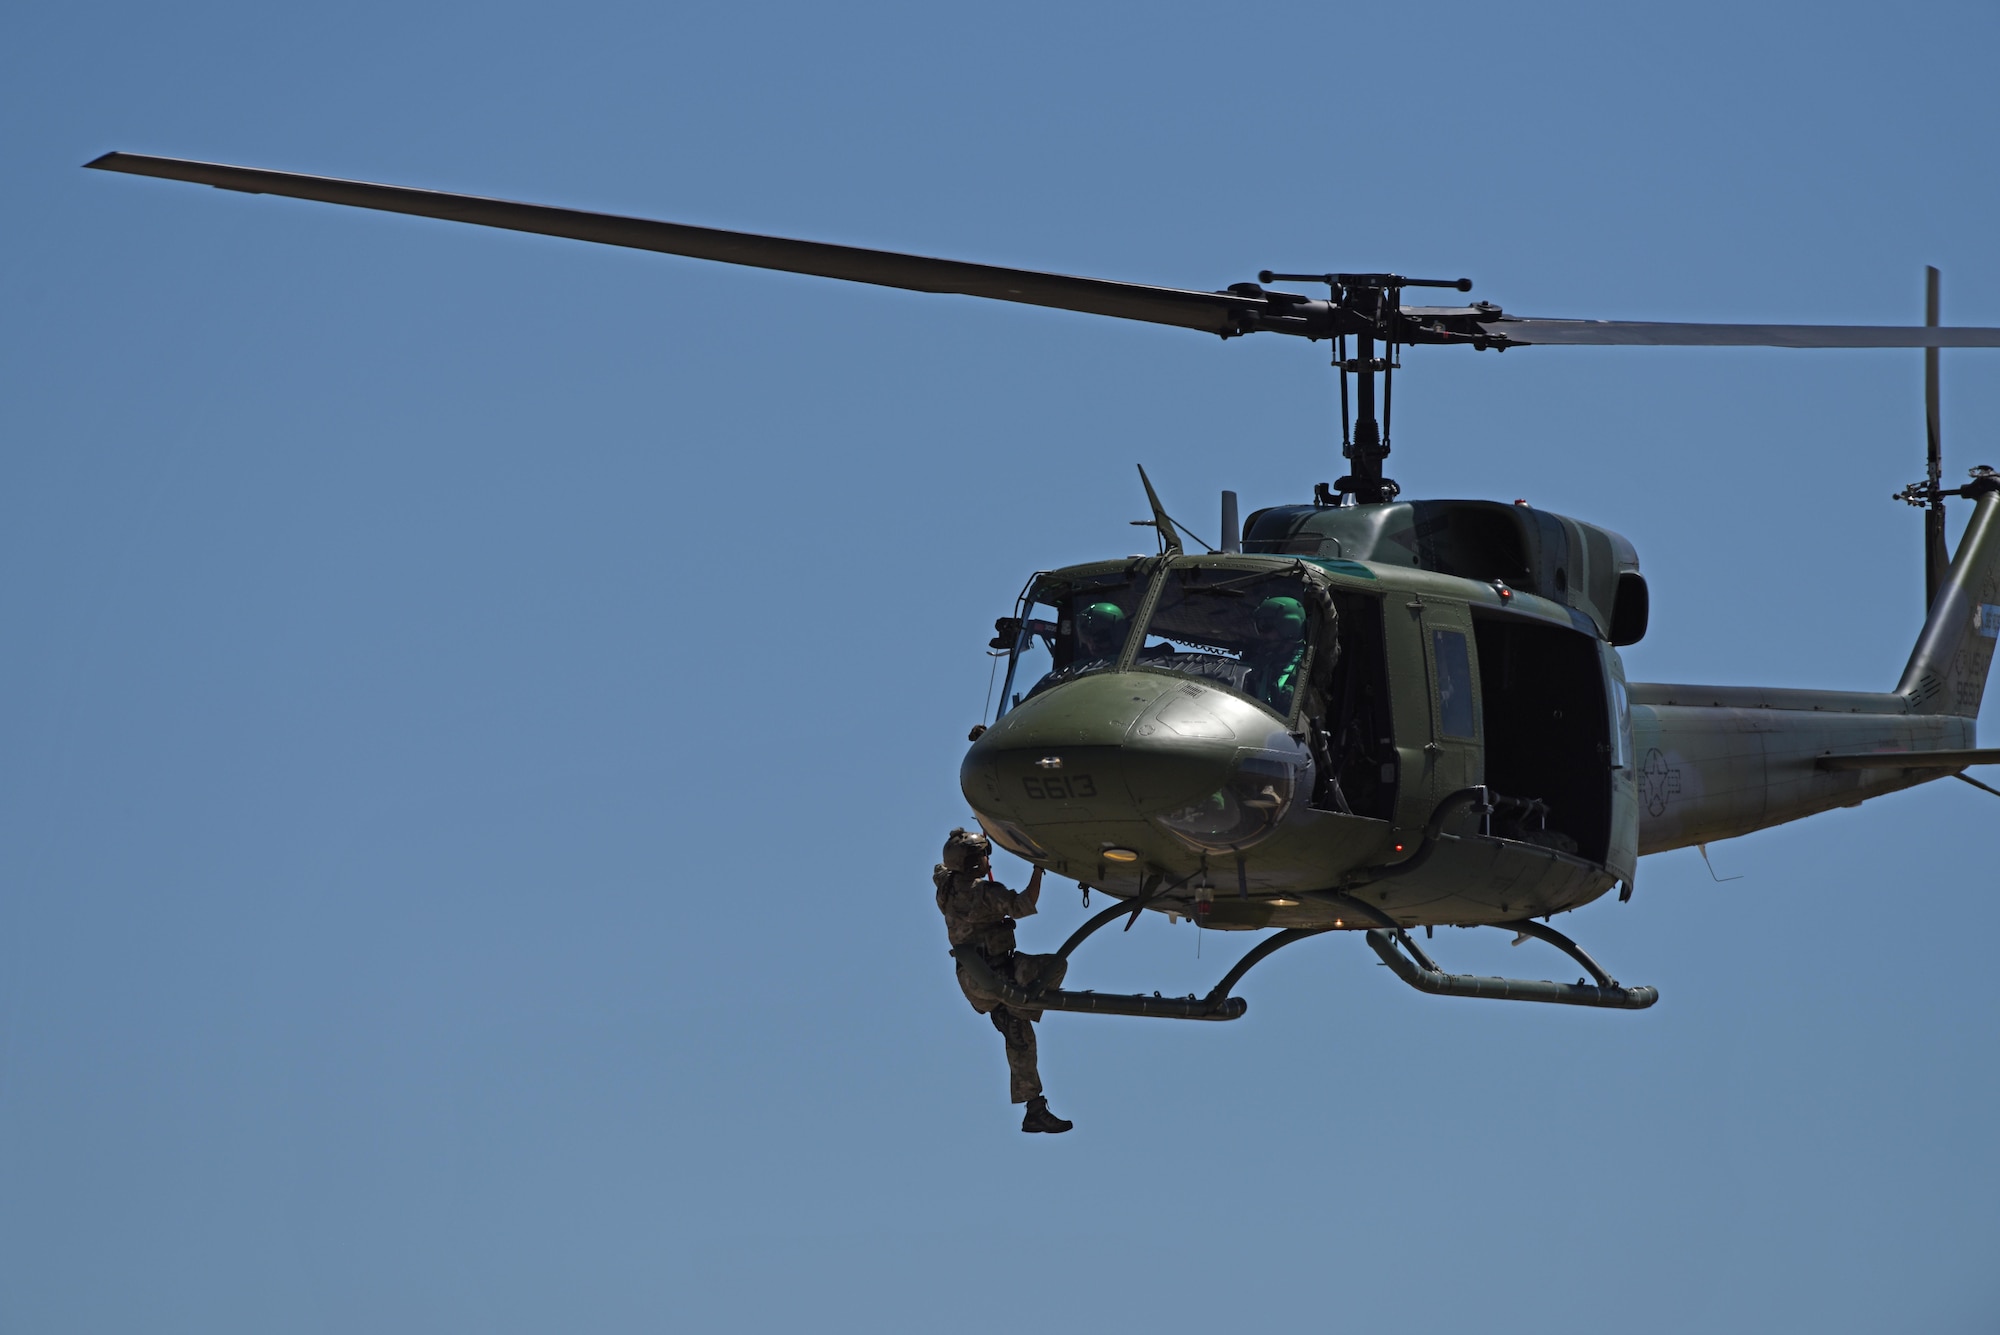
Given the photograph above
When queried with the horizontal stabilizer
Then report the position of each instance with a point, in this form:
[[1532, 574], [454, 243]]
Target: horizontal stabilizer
[[1937, 760]]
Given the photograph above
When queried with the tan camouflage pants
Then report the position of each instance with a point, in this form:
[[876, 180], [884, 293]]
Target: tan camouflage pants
[[1024, 1078]]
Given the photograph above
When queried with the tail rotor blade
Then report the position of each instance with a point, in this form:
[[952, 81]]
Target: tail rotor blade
[[1936, 556]]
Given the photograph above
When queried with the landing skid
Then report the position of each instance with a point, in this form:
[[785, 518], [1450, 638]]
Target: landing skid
[[1388, 941], [1417, 969], [1217, 1005]]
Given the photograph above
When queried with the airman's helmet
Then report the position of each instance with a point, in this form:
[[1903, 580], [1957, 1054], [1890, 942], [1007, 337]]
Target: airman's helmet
[[965, 849], [1280, 616], [1101, 620]]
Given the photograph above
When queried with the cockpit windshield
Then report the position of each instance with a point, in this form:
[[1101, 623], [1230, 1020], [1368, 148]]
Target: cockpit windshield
[[1069, 627], [1247, 631]]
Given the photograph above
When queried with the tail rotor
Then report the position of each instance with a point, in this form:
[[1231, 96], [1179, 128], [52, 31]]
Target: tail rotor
[[1928, 495], [1937, 557]]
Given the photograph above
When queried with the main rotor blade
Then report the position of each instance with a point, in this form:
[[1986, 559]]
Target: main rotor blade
[[1214, 312], [1637, 333], [1224, 313]]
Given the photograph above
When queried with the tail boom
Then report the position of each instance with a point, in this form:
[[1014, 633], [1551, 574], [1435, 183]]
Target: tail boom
[[1714, 763]]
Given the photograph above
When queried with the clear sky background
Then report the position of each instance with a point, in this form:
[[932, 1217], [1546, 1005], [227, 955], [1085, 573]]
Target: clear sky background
[[480, 710]]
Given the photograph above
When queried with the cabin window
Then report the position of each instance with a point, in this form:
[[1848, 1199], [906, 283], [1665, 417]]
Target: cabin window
[[1621, 721], [1251, 632], [1454, 682]]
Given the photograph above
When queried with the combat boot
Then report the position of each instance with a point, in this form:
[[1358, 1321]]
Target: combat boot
[[1039, 1118]]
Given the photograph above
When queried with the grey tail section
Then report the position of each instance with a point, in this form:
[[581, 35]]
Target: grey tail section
[[1947, 671]]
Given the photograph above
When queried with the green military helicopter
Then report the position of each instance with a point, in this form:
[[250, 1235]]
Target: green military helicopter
[[1365, 713]]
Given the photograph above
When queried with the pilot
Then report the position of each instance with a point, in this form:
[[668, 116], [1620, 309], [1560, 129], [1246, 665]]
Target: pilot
[[979, 915], [1275, 659], [1100, 632]]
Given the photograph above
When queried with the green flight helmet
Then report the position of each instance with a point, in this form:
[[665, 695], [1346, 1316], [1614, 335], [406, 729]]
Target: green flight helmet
[[1280, 616], [1102, 621]]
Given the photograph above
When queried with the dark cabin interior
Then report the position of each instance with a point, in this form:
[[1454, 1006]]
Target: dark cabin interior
[[1548, 732], [1353, 733]]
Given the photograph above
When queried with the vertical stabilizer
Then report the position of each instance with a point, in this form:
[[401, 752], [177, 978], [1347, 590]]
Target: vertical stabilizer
[[1947, 671]]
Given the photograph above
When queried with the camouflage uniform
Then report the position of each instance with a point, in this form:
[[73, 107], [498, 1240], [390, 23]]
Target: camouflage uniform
[[979, 915]]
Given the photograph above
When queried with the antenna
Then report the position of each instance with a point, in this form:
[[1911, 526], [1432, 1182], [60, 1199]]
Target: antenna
[[1170, 537]]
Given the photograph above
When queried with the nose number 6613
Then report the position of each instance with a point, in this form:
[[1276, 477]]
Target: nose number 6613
[[1059, 788]]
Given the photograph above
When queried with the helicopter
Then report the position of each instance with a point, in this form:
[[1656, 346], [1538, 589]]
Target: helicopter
[[1365, 713]]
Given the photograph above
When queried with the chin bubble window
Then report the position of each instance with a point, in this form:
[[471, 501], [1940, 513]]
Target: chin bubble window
[[1245, 809]]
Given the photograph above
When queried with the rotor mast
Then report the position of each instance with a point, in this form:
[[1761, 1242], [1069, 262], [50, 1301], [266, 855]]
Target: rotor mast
[[1370, 445], [1368, 307]]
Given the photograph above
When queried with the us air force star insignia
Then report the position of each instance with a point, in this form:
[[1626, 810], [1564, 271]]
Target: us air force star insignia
[[1658, 782]]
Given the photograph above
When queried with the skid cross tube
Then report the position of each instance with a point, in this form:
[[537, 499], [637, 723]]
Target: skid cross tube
[[1258, 954], [1148, 892], [1119, 908], [1529, 927], [1353, 908], [1438, 983]]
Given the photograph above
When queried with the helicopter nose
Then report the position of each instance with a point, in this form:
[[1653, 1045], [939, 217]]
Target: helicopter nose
[[1122, 758]]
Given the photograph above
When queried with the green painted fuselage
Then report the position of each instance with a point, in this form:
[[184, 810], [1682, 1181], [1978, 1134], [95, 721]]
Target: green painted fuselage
[[1451, 644]]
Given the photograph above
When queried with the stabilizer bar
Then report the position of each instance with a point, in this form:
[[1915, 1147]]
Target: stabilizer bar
[[1427, 977]]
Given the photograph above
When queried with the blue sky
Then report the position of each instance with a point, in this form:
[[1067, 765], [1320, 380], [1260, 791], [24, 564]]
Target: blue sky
[[481, 709]]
